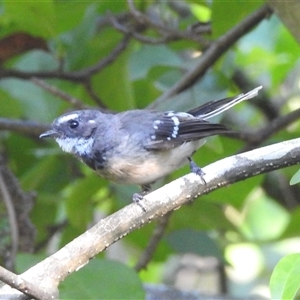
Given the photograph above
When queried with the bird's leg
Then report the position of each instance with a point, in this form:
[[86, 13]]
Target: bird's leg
[[138, 197], [197, 170]]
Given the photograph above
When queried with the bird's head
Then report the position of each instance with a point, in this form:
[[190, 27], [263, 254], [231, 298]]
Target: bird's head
[[74, 131]]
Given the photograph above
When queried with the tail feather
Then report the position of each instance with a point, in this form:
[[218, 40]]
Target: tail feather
[[213, 108]]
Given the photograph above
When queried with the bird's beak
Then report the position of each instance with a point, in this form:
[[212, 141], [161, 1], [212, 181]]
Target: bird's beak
[[49, 133]]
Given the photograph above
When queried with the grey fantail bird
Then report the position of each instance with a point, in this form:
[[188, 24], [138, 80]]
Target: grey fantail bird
[[139, 146]]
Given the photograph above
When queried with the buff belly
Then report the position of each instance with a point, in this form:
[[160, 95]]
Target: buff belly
[[149, 166]]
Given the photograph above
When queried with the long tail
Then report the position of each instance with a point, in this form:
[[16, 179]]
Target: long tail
[[213, 108]]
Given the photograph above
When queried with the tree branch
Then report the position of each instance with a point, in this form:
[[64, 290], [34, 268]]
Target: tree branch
[[27, 288], [22, 203], [58, 93], [110, 58], [214, 52], [76, 103], [158, 203], [13, 224], [262, 134], [76, 76], [289, 13], [262, 101], [169, 33], [24, 127]]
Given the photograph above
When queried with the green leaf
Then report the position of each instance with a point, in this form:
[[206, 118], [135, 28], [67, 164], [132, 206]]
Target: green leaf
[[202, 91], [296, 178], [70, 13], [201, 12], [116, 96], [68, 234], [112, 83], [83, 34], [148, 57], [79, 200], [235, 194], [103, 279], [263, 218], [144, 92], [25, 92], [139, 239], [35, 17], [44, 215], [25, 261], [285, 282], [226, 15], [9, 106], [191, 241], [293, 228], [37, 175], [205, 215]]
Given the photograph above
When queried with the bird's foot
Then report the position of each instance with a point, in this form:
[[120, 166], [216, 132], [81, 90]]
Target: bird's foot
[[197, 170], [137, 198]]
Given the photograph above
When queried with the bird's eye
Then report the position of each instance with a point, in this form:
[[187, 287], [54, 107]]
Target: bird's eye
[[73, 124]]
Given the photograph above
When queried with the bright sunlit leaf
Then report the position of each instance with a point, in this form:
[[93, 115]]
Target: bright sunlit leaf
[[285, 281], [263, 218], [296, 178], [201, 12]]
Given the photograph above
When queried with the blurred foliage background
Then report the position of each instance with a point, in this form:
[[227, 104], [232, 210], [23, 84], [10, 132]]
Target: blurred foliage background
[[117, 55]]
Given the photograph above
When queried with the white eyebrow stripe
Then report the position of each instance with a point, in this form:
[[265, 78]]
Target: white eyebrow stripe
[[67, 118]]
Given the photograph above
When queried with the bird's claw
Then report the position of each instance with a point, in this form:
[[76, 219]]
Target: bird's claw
[[137, 198], [197, 170]]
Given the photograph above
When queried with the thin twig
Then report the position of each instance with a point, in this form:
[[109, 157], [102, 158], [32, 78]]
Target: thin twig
[[75, 76], [166, 36], [169, 34], [59, 93], [113, 55], [262, 101], [262, 134], [51, 231], [157, 235], [25, 127], [13, 223], [22, 203], [93, 95], [141, 38]]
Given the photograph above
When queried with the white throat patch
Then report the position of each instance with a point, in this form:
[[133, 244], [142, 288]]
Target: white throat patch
[[78, 146]]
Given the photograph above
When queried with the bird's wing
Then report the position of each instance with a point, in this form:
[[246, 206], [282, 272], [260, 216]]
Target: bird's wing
[[174, 129]]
